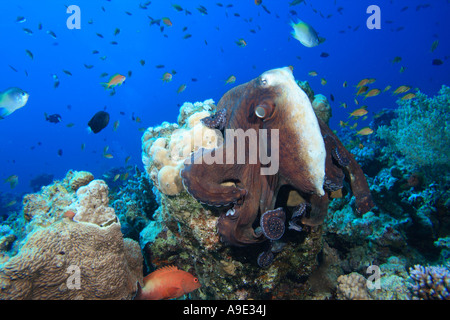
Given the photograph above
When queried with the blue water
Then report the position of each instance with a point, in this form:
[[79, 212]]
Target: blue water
[[30, 144]]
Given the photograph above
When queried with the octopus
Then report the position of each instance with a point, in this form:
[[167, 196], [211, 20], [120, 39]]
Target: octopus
[[308, 157]]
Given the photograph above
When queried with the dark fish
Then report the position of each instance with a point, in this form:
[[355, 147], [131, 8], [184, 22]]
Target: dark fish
[[194, 79], [160, 66], [99, 121], [437, 62], [324, 55], [331, 97], [60, 152], [142, 62], [187, 36], [265, 9], [53, 118]]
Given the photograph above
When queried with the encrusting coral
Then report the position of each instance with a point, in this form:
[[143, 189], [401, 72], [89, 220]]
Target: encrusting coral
[[79, 254]]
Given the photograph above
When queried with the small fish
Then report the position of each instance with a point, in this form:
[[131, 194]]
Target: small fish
[[177, 7], [95, 52], [258, 2], [116, 177], [387, 88], [67, 72], [21, 19], [343, 124], [372, 93], [124, 176], [60, 152], [181, 88], [202, 10], [167, 77], [402, 69], [313, 73], [115, 43], [362, 90], [324, 55], [11, 100], [364, 131], [305, 33], [116, 31], [358, 112], [52, 34], [142, 62], [241, 43], [354, 126], [70, 125], [167, 21], [401, 89], [363, 82], [53, 118], [30, 54], [437, 62], [88, 66], [323, 81], [108, 155], [99, 121], [396, 59], [343, 105], [83, 146], [13, 180], [55, 81], [99, 35], [434, 45], [116, 125], [408, 96], [28, 31], [331, 97], [344, 85], [114, 81], [295, 2], [159, 66], [187, 36], [167, 283], [230, 79]]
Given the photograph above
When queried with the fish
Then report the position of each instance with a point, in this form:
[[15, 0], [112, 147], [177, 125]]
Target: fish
[[434, 45], [83, 146], [202, 10], [295, 2], [116, 31], [187, 36], [359, 112], [258, 2], [114, 81], [306, 34], [401, 89], [70, 125], [230, 79], [387, 88], [177, 7], [312, 73], [13, 180], [324, 55], [159, 66], [53, 118], [402, 69], [437, 62], [116, 177], [108, 155], [344, 85], [11, 100], [67, 72], [127, 159], [116, 125], [167, 21], [323, 81], [28, 31], [99, 121], [365, 81], [52, 34], [21, 19], [181, 88], [60, 152], [55, 81], [241, 43], [88, 66], [167, 283], [364, 131], [343, 124], [372, 93], [142, 62], [30, 54], [167, 77], [99, 35], [408, 96], [343, 105], [362, 90]]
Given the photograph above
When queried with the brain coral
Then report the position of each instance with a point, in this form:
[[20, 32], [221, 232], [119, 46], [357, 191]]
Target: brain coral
[[88, 259], [164, 148]]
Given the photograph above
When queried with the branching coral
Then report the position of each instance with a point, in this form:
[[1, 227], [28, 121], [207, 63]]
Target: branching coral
[[421, 132], [431, 282]]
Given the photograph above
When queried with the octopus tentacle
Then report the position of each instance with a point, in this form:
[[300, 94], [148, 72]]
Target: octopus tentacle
[[272, 223], [319, 209], [217, 120]]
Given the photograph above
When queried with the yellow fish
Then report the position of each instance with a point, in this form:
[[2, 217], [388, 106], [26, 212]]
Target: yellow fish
[[323, 81], [364, 131], [387, 88], [372, 93], [359, 112], [408, 96], [306, 34], [181, 88], [231, 79], [363, 82], [343, 124], [401, 89], [313, 73], [362, 90], [115, 80], [108, 155], [116, 177]]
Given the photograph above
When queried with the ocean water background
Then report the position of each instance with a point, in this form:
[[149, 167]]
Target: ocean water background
[[30, 144]]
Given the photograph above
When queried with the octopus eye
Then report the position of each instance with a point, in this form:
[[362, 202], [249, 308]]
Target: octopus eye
[[263, 81], [263, 111]]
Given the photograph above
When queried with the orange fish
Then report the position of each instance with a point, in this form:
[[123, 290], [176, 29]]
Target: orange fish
[[364, 131], [181, 88], [115, 80], [363, 82], [372, 93], [358, 112], [241, 43], [167, 283], [167, 22], [408, 96], [167, 77], [362, 90]]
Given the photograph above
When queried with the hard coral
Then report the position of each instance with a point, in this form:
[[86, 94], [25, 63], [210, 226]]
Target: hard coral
[[165, 148], [352, 287], [431, 282]]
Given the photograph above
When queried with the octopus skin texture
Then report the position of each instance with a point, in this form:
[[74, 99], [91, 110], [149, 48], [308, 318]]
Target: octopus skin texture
[[311, 161]]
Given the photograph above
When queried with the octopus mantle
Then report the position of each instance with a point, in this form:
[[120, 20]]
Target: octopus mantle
[[311, 160]]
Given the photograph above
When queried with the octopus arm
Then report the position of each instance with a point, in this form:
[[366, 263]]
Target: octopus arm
[[319, 209]]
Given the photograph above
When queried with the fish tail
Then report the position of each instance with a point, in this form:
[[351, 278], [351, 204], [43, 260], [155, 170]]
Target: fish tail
[[105, 85]]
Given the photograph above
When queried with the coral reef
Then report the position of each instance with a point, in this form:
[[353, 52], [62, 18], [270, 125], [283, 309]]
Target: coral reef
[[430, 282], [72, 247]]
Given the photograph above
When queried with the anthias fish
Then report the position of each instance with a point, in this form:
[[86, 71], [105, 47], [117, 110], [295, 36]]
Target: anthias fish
[[167, 283]]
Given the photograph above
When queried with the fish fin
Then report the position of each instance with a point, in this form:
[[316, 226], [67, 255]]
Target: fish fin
[[138, 295], [160, 272], [322, 40], [4, 112], [173, 292]]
